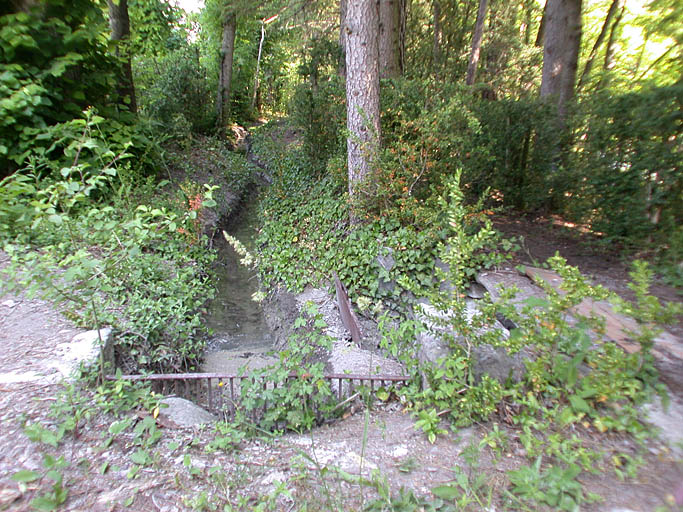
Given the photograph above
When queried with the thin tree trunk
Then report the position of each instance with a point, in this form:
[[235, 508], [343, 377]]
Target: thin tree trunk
[[362, 91], [341, 69], [437, 55], [561, 53], [476, 43], [225, 77], [614, 6], [119, 23], [608, 63], [640, 60], [389, 38], [254, 98]]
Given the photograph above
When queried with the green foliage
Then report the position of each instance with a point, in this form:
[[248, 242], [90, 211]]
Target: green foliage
[[557, 487], [44, 58], [50, 475], [320, 112], [292, 394], [626, 167], [136, 268], [429, 132], [177, 94]]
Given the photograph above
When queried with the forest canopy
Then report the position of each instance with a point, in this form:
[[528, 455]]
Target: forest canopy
[[570, 108]]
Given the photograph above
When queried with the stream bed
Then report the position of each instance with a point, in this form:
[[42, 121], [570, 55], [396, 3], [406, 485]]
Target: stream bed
[[240, 334]]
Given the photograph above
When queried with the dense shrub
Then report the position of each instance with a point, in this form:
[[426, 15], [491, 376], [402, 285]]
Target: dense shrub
[[320, 112], [178, 94], [124, 263], [626, 167], [45, 59]]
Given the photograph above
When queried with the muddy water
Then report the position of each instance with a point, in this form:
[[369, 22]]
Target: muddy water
[[240, 334]]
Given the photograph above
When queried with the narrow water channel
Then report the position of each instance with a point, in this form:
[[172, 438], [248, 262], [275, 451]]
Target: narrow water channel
[[238, 324]]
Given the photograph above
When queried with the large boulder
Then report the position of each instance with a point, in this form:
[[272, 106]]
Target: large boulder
[[433, 346]]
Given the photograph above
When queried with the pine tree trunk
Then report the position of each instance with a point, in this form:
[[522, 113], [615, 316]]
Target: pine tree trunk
[[562, 41], [362, 90], [476, 43], [225, 74], [119, 24], [389, 38]]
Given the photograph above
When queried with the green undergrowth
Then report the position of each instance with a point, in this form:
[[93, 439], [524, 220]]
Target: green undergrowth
[[306, 236], [86, 229], [576, 384]]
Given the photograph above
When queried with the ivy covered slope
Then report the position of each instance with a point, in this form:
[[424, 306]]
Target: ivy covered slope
[[570, 382]]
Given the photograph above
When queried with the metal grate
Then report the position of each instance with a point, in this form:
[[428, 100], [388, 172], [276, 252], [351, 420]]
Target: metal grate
[[220, 392]]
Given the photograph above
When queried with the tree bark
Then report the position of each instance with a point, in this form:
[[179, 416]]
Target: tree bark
[[362, 90], [614, 6], [562, 41], [119, 24], [225, 74], [476, 43], [389, 38], [437, 56]]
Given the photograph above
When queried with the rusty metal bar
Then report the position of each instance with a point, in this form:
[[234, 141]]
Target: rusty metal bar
[[197, 376], [193, 386]]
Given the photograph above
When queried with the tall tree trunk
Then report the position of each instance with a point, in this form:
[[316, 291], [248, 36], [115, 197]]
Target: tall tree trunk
[[561, 53], [437, 55], [389, 38], [613, 8], [362, 90], [119, 23], [476, 43], [608, 63], [225, 75]]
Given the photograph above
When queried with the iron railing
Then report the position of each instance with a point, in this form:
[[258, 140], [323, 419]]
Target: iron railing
[[220, 393]]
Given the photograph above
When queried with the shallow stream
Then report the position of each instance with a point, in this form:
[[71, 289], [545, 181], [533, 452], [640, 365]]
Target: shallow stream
[[238, 324]]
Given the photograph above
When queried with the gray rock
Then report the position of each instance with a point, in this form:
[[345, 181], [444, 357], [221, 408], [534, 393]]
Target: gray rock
[[668, 421], [387, 260], [476, 291], [506, 279], [185, 413], [280, 311], [496, 362], [85, 347]]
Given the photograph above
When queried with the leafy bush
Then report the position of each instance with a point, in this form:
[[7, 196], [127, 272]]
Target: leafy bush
[[134, 268], [44, 56], [292, 393], [177, 95], [320, 112], [626, 169]]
